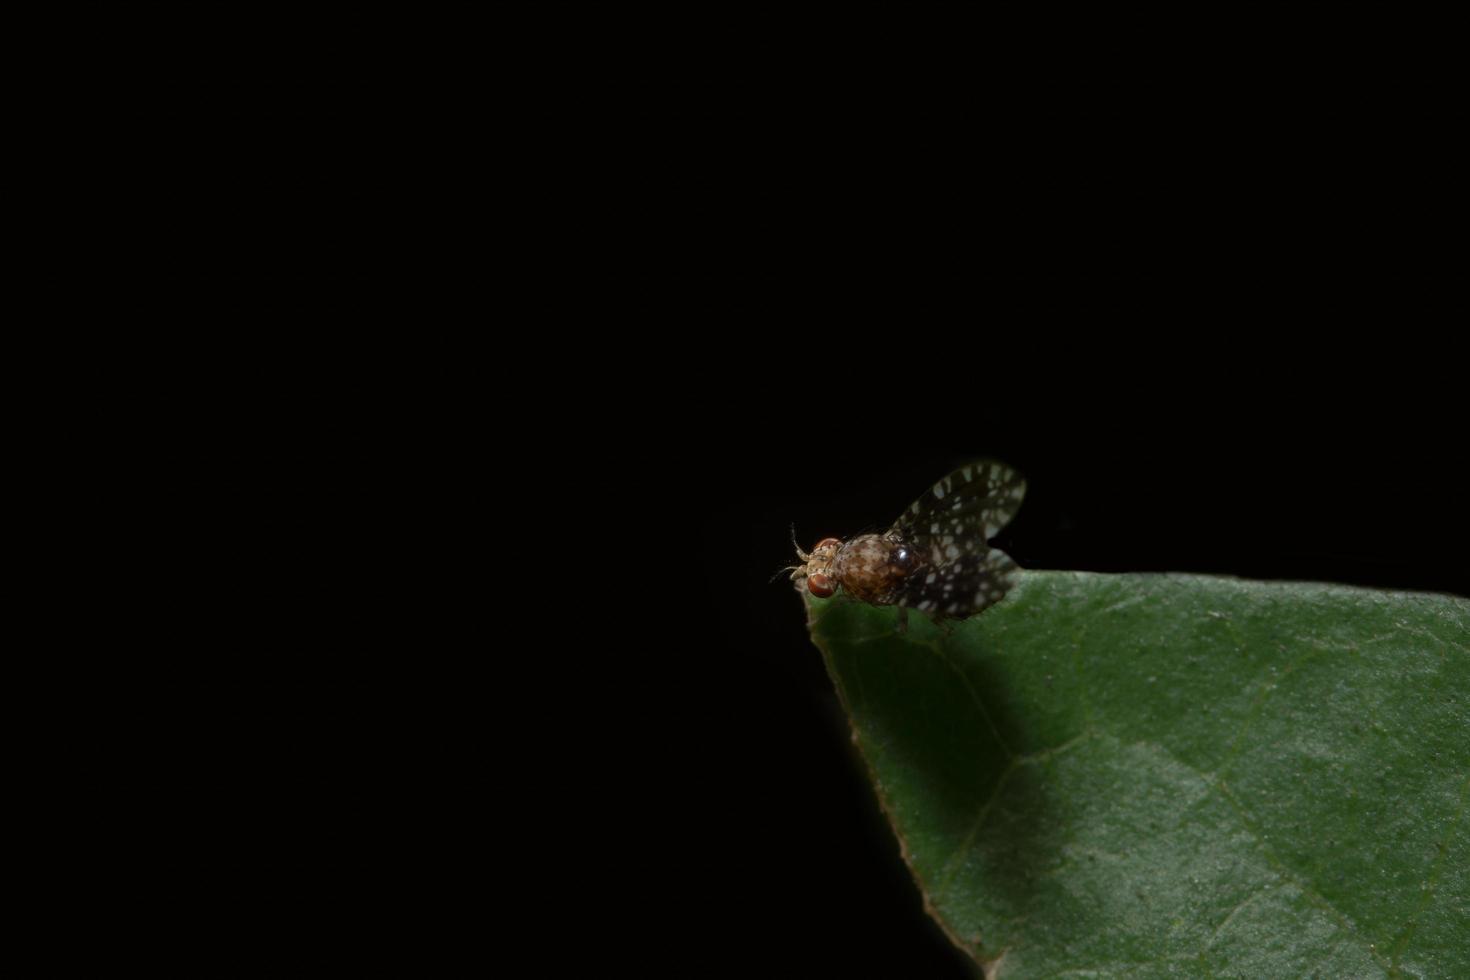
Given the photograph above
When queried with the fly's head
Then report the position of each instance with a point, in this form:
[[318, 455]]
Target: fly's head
[[816, 568]]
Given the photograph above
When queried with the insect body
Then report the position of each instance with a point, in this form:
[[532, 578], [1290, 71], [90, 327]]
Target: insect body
[[936, 557]]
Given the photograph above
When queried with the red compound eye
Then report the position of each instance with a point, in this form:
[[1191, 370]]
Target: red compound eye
[[820, 584], [827, 543]]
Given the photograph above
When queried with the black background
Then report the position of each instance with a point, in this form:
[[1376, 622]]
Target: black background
[[475, 604]]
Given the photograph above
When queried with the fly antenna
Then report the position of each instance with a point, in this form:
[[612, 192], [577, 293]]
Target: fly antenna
[[783, 571]]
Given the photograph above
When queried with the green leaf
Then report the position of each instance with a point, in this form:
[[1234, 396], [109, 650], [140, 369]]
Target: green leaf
[[1168, 775]]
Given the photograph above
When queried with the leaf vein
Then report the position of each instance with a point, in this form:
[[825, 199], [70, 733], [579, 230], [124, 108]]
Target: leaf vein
[[1406, 932], [1281, 868], [974, 696]]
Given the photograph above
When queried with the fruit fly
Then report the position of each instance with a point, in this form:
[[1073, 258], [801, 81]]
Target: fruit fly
[[936, 557]]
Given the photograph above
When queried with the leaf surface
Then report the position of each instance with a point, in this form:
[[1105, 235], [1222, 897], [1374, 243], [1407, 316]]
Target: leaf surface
[[1168, 775]]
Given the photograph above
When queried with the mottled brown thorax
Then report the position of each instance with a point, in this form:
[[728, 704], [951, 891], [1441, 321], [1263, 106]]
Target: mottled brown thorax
[[873, 568]]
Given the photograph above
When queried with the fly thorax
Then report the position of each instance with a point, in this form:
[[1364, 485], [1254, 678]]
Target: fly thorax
[[873, 567]]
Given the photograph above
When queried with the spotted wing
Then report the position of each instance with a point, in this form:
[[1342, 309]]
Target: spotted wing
[[949, 527], [961, 587], [965, 509]]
